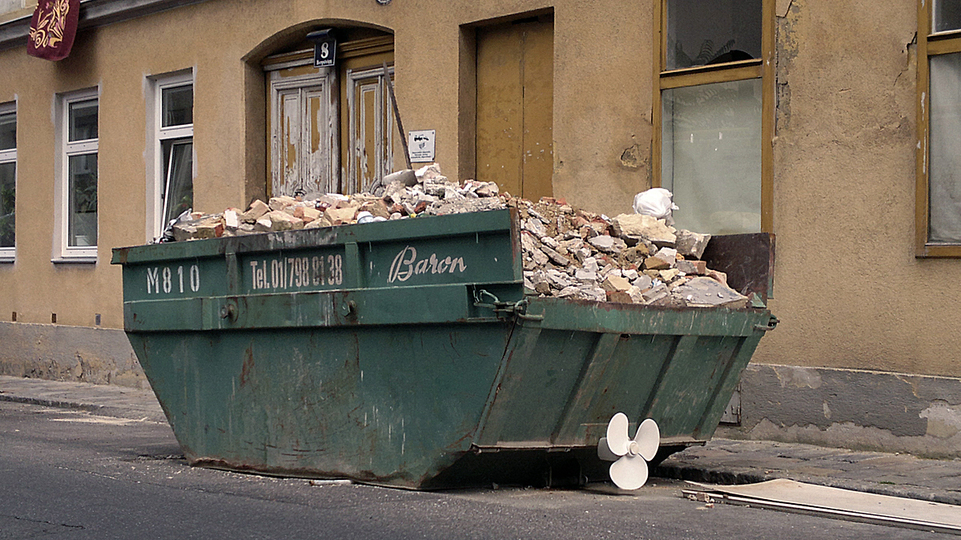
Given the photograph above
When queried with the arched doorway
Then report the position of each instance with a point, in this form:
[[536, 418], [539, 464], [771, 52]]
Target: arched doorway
[[330, 129]]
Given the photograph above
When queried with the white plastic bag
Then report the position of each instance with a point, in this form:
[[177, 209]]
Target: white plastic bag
[[655, 202]]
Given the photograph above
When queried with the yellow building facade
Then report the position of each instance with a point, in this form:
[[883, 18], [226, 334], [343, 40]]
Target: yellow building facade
[[789, 116]]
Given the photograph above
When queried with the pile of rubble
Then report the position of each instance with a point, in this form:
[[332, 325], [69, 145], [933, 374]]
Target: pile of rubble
[[567, 252], [631, 258], [400, 195]]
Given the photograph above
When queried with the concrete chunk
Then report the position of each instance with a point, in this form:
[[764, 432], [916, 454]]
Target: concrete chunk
[[691, 244], [615, 283], [706, 292], [257, 209], [603, 242], [340, 215], [643, 226]]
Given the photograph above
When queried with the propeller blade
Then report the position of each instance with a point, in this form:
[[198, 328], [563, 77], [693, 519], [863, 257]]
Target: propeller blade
[[648, 439], [629, 472], [604, 451], [617, 438]]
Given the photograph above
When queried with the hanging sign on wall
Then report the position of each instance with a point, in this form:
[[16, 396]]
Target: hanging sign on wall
[[53, 28]]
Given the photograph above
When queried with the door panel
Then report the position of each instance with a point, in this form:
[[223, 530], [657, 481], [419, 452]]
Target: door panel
[[303, 132], [500, 118], [538, 69], [371, 135], [514, 144], [318, 163], [289, 143]]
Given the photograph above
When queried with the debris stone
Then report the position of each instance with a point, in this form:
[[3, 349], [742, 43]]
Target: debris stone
[[655, 294], [643, 226], [566, 252], [707, 292], [613, 283], [691, 244], [282, 221], [339, 216], [257, 209], [692, 267], [604, 243]]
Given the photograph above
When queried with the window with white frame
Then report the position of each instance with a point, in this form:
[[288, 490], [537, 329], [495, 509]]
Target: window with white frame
[[172, 119], [78, 176], [8, 180]]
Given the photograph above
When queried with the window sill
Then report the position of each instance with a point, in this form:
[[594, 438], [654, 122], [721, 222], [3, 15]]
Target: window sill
[[75, 260], [932, 251]]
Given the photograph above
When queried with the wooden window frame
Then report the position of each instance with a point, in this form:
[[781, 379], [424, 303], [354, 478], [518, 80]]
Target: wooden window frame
[[762, 68], [929, 44]]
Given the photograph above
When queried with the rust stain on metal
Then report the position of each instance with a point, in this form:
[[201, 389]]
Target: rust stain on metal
[[247, 367]]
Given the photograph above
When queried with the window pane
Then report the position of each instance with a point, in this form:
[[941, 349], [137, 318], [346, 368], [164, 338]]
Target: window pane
[[83, 120], [82, 212], [178, 171], [702, 32], [8, 131], [947, 15], [8, 194], [178, 106], [711, 155], [944, 176]]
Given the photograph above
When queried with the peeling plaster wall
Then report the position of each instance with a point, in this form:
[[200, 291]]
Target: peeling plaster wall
[[69, 353], [851, 408], [848, 289]]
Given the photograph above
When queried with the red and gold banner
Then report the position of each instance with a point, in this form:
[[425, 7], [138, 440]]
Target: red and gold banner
[[52, 29]]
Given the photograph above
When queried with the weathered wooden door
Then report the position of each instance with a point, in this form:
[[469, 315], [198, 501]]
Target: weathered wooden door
[[331, 130], [515, 99], [303, 131], [370, 132]]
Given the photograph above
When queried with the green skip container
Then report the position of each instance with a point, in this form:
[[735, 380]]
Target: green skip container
[[406, 353]]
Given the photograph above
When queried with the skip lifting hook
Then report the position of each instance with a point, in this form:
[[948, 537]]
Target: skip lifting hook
[[518, 308], [771, 324]]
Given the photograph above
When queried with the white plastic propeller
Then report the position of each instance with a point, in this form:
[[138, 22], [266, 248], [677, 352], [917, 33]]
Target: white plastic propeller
[[630, 456]]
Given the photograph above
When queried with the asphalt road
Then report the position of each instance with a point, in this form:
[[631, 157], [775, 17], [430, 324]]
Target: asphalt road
[[72, 475]]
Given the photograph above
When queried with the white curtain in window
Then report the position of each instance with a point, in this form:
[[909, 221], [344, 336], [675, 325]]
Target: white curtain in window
[[711, 156], [944, 173]]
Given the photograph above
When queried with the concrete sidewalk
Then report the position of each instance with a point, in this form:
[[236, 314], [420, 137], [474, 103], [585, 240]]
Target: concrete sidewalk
[[106, 400], [721, 461]]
